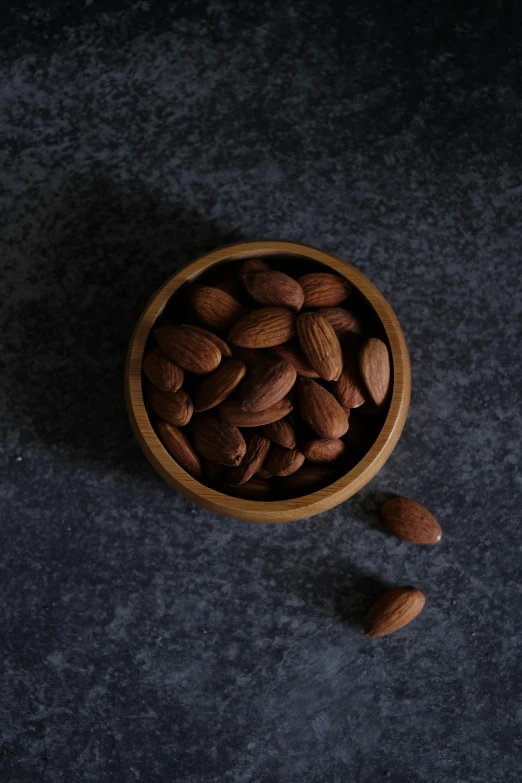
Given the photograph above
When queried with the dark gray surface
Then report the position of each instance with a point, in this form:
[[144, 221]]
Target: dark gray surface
[[142, 638]]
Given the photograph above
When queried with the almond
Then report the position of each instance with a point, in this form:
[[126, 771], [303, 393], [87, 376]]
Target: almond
[[226, 353], [349, 387], [252, 265], [273, 288], [161, 371], [188, 348], [292, 353], [393, 610], [324, 450], [264, 328], [266, 385], [410, 521], [281, 432], [283, 462], [374, 364], [179, 447], [307, 479], [174, 407], [341, 320], [257, 449], [218, 385], [320, 410], [320, 345], [216, 308], [232, 412], [322, 289], [218, 441], [255, 489], [252, 357]]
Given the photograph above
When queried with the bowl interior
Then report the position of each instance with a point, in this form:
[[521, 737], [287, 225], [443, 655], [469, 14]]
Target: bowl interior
[[379, 320]]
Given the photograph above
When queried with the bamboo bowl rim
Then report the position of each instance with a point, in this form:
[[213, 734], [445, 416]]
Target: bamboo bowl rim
[[278, 510]]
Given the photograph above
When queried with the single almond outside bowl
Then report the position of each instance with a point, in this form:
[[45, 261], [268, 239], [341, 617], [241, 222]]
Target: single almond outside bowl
[[277, 510]]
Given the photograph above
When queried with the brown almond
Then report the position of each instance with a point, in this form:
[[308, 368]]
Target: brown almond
[[309, 478], [216, 308], [322, 289], [341, 320], [349, 387], [188, 348], [257, 449], [178, 445], [252, 357], [226, 353], [320, 410], [218, 385], [374, 364], [254, 489], [324, 449], [272, 288], [292, 353], [252, 265], [161, 371], [218, 441], [266, 385], [410, 521], [393, 610], [282, 432], [264, 328], [232, 412], [320, 345], [175, 408], [283, 462]]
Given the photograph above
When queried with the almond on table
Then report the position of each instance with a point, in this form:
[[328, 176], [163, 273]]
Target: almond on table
[[410, 521], [393, 610]]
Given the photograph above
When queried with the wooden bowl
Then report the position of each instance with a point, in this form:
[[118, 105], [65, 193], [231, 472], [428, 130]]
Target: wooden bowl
[[283, 510]]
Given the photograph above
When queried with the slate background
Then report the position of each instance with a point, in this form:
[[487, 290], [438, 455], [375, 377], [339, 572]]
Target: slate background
[[144, 639]]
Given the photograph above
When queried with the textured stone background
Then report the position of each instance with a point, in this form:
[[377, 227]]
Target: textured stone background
[[144, 639]]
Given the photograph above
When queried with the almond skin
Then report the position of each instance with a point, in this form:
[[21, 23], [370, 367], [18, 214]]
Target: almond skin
[[232, 412], [226, 353], [175, 408], [374, 365], [252, 265], [257, 449], [283, 462], [393, 610], [162, 372], [252, 357], [309, 478], [281, 432], [179, 447], [341, 320], [322, 289], [349, 387], [324, 450], [320, 410], [266, 385], [218, 385], [216, 308], [264, 328], [254, 489], [218, 441], [320, 345], [292, 353], [188, 348], [410, 521], [271, 288]]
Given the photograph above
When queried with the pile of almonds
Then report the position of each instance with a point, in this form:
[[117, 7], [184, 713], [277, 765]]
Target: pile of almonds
[[253, 391]]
